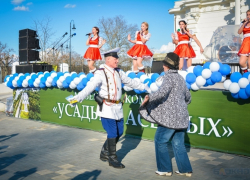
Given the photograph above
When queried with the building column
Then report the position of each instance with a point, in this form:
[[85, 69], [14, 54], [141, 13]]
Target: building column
[[237, 12]]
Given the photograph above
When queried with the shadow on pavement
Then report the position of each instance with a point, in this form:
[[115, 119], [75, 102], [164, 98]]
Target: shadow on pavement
[[7, 137], [23, 174], [88, 175]]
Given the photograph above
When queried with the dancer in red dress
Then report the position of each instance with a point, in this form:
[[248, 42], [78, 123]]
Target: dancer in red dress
[[140, 51], [245, 46], [184, 49], [93, 53]]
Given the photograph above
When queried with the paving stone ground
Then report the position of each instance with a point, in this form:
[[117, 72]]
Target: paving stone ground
[[36, 150]]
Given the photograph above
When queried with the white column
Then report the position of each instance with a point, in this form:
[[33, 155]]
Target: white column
[[237, 12]]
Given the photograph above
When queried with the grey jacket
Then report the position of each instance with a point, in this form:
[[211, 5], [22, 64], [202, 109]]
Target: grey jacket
[[168, 106]]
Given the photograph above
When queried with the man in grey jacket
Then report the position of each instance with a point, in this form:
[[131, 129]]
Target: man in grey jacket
[[167, 107]]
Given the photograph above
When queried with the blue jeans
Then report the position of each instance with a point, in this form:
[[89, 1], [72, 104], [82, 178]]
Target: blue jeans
[[114, 128], [164, 164]]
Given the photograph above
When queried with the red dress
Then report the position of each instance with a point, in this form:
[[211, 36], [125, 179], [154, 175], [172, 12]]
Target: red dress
[[93, 52], [245, 46], [184, 49], [140, 49]]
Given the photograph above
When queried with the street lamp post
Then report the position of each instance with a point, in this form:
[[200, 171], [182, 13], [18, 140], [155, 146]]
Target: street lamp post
[[70, 44]]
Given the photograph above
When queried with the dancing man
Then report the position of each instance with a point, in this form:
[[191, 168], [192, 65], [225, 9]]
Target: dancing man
[[245, 46], [109, 108], [92, 54], [182, 39], [140, 51]]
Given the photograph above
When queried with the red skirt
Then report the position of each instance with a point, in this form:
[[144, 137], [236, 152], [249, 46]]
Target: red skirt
[[140, 50], [93, 54], [245, 47], [185, 51]]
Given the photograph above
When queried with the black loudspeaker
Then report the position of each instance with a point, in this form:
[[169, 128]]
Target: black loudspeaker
[[29, 68], [157, 67], [27, 32], [30, 55], [28, 43]]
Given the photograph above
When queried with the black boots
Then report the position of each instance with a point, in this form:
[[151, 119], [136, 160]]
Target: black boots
[[112, 154], [104, 156]]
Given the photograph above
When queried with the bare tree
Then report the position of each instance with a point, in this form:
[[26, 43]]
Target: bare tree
[[44, 32], [7, 57], [115, 30]]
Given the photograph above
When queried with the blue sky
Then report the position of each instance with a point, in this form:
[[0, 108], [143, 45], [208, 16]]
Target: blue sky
[[19, 14]]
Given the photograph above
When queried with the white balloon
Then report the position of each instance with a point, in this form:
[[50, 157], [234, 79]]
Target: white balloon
[[61, 79], [7, 79], [59, 83], [40, 76], [200, 81], [183, 74], [32, 74], [72, 85], [223, 78], [76, 81], [66, 75], [14, 83], [49, 79], [48, 84], [143, 77], [53, 75], [194, 87], [73, 73], [59, 86], [227, 83], [137, 80], [20, 74], [37, 81], [234, 88], [149, 75], [91, 79], [214, 66], [159, 81], [82, 76], [206, 73], [249, 77], [28, 78], [35, 84], [153, 87], [25, 83], [126, 88], [190, 69], [16, 78], [243, 82]]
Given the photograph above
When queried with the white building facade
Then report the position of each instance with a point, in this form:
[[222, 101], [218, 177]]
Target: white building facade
[[205, 16]]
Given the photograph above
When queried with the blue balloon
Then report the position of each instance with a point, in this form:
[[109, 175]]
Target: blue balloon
[[216, 77], [205, 85], [68, 80], [97, 88], [188, 85], [248, 90], [246, 74], [89, 76], [190, 78], [46, 75], [43, 80], [22, 78], [225, 69], [73, 76], [59, 74], [39, 73], [79, 86], [242, 94], [52, 72], [33, 77], [31, 83], [197, 70], [235, 77], [137, 91], [235, 95], [11, 78], [132, 75], [42, 85], [54, 84], [206, 65], [19, 83], [209, 82], [80, 74], [15, 75], [26, 74], [65, 84], [139, 74], [5, 79], [84, 81], [9, 83], [148, 81], [154, 77], [162, 74]]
